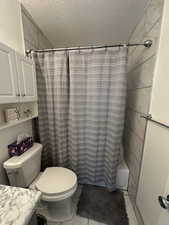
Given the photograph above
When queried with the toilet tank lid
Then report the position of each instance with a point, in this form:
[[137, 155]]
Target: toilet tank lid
[[17, 161]]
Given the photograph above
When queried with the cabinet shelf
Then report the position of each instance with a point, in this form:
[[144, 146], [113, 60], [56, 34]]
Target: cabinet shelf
[[15, 123]]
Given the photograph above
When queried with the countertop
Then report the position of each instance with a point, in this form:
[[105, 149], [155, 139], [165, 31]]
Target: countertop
[[17, 205]]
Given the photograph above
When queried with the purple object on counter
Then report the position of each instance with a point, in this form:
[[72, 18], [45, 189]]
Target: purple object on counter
[[15, 149]]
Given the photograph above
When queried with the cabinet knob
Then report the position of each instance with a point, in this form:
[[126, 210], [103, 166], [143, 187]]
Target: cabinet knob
[[23, 95], [164, 202], [18, 95]]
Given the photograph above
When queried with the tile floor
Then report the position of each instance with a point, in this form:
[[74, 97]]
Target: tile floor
[[77, 220]]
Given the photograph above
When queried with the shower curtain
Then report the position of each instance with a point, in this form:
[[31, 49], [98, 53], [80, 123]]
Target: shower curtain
[[82, 96]]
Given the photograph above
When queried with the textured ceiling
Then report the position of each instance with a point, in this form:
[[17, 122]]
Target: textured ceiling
[[85, 22]]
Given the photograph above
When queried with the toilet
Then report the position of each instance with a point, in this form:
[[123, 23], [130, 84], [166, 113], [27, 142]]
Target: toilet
[[57, 184]]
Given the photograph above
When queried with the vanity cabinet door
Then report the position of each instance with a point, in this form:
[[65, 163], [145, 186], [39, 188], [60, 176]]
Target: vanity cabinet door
[[27, 79], [9, 91]]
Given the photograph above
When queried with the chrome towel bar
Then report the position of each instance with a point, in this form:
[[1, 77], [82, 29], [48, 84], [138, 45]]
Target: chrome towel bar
[[149, 118]]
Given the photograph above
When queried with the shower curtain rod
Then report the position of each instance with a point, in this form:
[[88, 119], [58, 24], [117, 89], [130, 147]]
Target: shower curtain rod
[[147, 44]]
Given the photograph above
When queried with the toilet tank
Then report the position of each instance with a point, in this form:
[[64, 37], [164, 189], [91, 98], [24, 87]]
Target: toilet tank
[[23, 169]]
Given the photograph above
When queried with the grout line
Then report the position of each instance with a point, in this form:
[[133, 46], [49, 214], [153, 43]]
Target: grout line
[[139, 63], [146, 34], [134, 110], [132, 210], [133, 131], [135, 27], [142, 63], [141, 161], [140, 138], [31, 20], [138, 88], [131, 109]]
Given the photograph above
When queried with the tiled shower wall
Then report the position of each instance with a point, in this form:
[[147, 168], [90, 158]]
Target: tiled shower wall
[[33, 36], [141, 63]]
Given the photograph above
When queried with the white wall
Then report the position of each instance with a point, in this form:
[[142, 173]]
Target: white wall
[[141, 65], [8, 136], [159, 107], [33, 36], [11, 32], [155, 166]]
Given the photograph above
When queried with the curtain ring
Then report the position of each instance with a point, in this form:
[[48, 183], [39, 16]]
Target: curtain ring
[[106, 48], [79, 50]]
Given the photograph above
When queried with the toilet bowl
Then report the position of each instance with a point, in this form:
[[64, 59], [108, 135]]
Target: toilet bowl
[[57, 184]]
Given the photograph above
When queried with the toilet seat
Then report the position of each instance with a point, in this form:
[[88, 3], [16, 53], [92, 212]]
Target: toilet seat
[[57, 183]]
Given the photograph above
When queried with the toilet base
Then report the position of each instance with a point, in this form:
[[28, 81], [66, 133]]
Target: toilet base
[[58, 211]]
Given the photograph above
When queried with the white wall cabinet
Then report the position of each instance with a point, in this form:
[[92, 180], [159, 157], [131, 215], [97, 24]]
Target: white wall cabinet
[[17, 77], [11, 28], [27, 79], [9, 90]]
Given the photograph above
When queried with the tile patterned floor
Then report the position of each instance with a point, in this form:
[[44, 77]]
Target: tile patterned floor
[[77, 220]]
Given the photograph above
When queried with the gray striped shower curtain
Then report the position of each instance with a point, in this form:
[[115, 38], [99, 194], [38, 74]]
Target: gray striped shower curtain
[[82, 98]]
